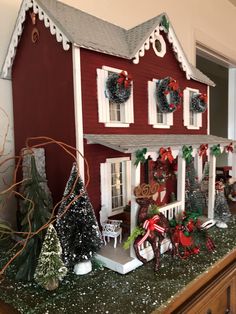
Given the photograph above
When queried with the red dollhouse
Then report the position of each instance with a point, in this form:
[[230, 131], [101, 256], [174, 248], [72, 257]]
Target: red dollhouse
[[61, 61]]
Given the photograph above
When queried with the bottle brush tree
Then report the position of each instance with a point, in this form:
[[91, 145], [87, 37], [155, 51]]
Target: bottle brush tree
[[50, 269], [35, 212], [76, 223]]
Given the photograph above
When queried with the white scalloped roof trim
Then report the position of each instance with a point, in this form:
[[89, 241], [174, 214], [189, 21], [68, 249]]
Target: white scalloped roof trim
[[175, 44], [26, 5], [146, 45], [179, 52]]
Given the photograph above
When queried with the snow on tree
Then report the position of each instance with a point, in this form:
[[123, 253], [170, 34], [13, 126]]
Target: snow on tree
[[194, 198], [50, 269], [77, 229]]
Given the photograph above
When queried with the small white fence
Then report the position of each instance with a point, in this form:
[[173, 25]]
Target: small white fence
[[171, 209]]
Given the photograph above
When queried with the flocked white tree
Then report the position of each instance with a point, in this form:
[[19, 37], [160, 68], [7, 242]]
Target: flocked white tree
[[50, 269]]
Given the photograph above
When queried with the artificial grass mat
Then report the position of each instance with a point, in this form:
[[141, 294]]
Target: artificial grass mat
[[107, 292]]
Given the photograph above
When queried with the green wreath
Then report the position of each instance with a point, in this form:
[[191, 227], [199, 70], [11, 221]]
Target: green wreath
[[168, 95], [198, 102], [118, 87]]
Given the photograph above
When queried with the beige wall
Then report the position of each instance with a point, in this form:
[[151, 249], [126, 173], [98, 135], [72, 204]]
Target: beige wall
[[210, 22]]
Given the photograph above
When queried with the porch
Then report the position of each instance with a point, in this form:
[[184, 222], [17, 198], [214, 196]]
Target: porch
[[130, 144]]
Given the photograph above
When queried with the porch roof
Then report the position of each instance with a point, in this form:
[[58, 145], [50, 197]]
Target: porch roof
[[127, 143]]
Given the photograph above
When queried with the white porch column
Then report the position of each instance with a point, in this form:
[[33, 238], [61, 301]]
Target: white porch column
[[211, 186], [135, 180], [181, 179]]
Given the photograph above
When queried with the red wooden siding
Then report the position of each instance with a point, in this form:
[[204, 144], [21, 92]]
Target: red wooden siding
[[43, 100], [149, 67]]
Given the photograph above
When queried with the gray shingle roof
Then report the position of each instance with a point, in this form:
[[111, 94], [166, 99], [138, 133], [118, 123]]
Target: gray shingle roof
[[90, 32], [153, 142]]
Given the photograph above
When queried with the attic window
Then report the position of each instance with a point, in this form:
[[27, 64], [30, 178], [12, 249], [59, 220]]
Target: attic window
[[159, 45]]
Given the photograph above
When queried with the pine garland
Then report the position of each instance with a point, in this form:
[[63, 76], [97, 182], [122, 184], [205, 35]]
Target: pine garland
[[168, 95]]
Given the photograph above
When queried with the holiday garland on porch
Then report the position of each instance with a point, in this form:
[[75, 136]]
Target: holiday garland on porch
[[168, 95], [118, 87]]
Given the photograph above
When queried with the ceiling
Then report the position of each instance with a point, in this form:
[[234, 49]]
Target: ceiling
[[233, 2]]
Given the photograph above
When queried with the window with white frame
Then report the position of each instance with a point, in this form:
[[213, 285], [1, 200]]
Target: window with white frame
[[156, 118], [115, 185], [110, 113], [192, 120]]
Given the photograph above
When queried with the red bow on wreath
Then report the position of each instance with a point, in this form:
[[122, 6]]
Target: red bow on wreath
[[124, 79], [150, 225], [203, 97], [174, 85], [166, 154], [229, 148], [203, 150]]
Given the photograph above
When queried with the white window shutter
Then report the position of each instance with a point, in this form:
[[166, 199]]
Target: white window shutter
[[186, 104], [152, 110], [105, 187], [186, 107], [199, 119], [169, 118], [103, 102], [129, 109], [128, 180]]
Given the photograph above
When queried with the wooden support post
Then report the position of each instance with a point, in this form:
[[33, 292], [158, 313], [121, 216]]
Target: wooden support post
[[181, 180], [211, 186], [135, 180]]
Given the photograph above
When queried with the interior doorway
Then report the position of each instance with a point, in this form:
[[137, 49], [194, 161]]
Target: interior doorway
[[219, 74], [221, 104]]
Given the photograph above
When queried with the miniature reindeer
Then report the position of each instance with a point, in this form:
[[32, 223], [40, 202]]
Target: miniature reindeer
[[156, 227]]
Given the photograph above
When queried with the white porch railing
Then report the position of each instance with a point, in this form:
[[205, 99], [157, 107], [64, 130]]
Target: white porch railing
[[172, 209]]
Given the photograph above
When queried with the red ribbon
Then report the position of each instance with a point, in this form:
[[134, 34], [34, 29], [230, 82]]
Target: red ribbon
[[229, 148], [124, 79], [151, 225], [166, 154], [203, 150], [173, 85], [203, 97]]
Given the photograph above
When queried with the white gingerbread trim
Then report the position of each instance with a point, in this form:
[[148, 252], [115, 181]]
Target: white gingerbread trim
[[155, 35], [26, 5], [172, 38], [179, 52]]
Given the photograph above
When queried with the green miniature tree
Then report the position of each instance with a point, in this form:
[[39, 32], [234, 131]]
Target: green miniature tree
[[35, 213], [194, 198], [77, 228], [50, 269]]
